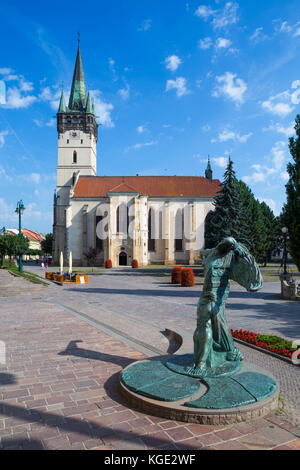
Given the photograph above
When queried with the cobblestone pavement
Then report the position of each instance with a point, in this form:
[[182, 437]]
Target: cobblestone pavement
[[58, 389]]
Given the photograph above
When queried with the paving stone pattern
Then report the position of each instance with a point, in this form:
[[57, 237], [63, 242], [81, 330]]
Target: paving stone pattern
[[59, 386]]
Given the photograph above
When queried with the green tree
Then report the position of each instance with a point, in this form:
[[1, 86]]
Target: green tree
[[11, 245], [291, 210], [47, 244], [271, 228], [228, 219], [261, 222]]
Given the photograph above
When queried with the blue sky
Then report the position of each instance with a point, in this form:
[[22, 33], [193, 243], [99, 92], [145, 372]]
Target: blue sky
[[172, 82]]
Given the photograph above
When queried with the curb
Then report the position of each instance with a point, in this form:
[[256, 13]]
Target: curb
[[30, 280]]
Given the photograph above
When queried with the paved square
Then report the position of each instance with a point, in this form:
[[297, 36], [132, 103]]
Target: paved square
[[58, 388]]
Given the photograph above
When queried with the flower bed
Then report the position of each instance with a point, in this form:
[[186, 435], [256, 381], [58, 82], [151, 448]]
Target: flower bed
[[272, 343]]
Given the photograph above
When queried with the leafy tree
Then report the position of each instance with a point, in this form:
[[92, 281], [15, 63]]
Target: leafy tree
[[229, 218], [12, 245], [47, 244], [291, 210]]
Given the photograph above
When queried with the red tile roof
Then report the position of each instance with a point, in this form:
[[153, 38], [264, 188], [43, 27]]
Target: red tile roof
[[27, 233], [152, 186]]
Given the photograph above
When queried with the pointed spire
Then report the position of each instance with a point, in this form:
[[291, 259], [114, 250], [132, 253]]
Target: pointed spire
[[208, 171], [89, 105], [77, 99], [62, 104]]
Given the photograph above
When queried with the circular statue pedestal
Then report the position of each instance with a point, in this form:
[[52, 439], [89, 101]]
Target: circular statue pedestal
[[163, 388]]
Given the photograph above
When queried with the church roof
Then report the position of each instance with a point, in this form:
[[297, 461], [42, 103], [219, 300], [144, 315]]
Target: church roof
[[152, 186]]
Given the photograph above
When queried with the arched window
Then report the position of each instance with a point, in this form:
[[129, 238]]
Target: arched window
[[151, 239], [74, 156], [122, 216], [178, 230]]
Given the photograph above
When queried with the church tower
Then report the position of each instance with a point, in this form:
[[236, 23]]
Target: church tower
[[77, 138]]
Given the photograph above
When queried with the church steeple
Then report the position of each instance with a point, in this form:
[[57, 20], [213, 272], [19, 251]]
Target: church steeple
[[77, 101], [208, 171], [62, 104], [89, 105], [79, 114]]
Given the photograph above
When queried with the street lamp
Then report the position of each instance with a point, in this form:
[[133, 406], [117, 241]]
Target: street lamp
[[19, 210], [284, 231]]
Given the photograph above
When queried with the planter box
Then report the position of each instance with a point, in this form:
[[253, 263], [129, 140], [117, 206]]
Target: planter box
[[82, 279], [49, 275]]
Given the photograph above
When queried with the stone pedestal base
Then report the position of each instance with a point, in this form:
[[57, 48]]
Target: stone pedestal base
[[248, 394]]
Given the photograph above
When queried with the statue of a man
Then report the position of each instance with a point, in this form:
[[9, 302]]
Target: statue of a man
[[213, 342]]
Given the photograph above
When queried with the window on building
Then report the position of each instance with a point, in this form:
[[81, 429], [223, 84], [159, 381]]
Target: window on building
[[122, 218], [151, 239], [81, 141], [178, 230], [99, 241], [74, 156], [68, 141]]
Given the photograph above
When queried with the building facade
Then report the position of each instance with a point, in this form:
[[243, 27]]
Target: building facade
[[153, 219]]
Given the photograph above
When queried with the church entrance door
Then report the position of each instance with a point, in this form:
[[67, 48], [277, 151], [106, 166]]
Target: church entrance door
[[122, 259]]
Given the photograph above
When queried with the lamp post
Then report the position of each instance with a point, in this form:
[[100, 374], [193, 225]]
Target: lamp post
[[284, 231], [19, 210]]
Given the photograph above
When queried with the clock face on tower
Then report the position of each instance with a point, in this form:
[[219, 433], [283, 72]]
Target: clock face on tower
[[75, 134]]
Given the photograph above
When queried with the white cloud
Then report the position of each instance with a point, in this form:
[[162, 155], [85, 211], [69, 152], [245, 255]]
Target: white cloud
[[223, 43], [2, 138], [16, 100], [230, 87], [258, 36], [111, 63], [227, 134], [41, 123], [52, 95], [206, 128], [5, 71], [34, 178], [172, 62], [179, 85], [205, 43], [141, 145], [285, 27], [146, 25], [102, 109], [263, 172], [141, 129], [220, 161], [204, 12], [125, 92], [221, 18], [283, 103], [288, 131]]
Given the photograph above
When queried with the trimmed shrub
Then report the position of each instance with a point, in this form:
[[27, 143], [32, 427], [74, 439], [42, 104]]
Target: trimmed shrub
[[108, 264], [176, 275], [187, 277], [135, 264]]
